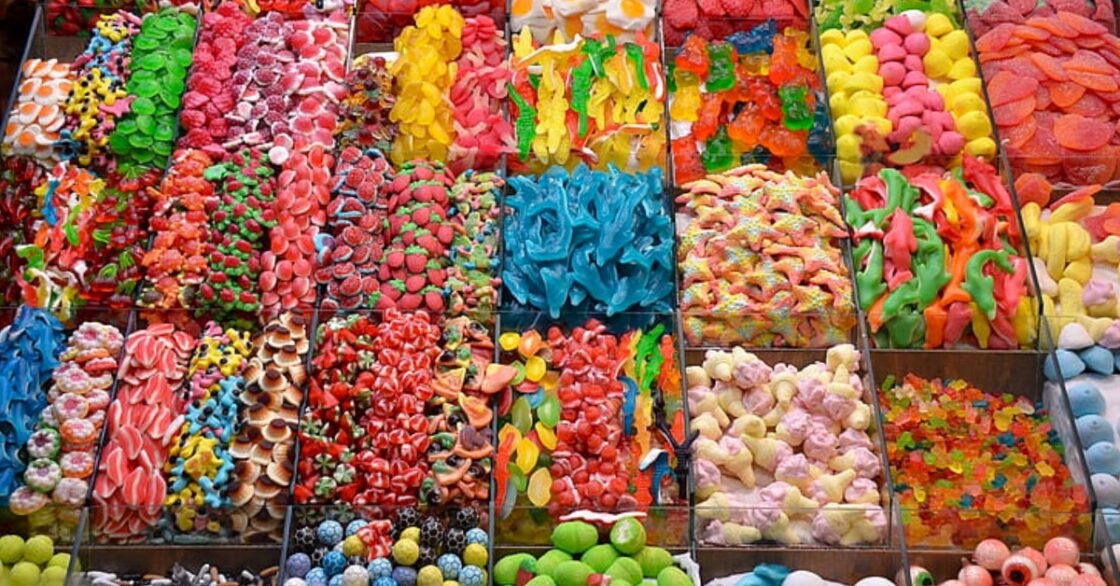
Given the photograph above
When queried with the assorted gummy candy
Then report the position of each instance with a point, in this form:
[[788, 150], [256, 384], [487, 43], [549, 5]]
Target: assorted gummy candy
[[967, 465], [752, 97]]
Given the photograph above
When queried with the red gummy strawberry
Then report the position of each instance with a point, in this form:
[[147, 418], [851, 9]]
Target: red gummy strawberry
[[394, 258], [393, 290], [430, 244], [434, 300], [415, 283], [415, 259], [445, 233], [410, 302], [437, 276]]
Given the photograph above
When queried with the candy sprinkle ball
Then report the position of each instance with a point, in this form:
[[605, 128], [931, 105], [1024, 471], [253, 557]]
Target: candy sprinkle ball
[[967, 464]]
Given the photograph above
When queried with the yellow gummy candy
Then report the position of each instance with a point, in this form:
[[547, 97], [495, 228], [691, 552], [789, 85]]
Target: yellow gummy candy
[[509, 341], [540, 487], [527, 455], [507, 430], [981, 147], [961, 104], [955, 44], [535, 368], [546, 435], [937, 63], [974, 124], [938, 25], [962, 68]]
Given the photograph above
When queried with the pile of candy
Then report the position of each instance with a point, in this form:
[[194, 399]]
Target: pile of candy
[[364, 114], [590, 413], [1053, 82], [199, 466], [1058, 561], [617, 93], [449, 79], [906, 93], [398, 412], [32, 562], [207, 575], [713, 20], [379, 21], [784, 455], [37, 117], [870, 14], [778, 575], [411, 549], [31, 346], [589, 241], [177, 262], [761, 101], [936, 259], [552, 19], [1097, 435], [263, 451], [63, 450], [984, 15], [18, 178], [1075, 254], [960, 457], [580, 555], [161, 55], [146, 414], [760, 260]]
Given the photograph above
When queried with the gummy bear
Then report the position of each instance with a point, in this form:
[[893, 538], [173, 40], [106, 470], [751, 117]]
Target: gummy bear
[[797, 114], [784, 67], [784, 142], [759, 39], [686, 161], [693, 57], [746, 127], [710, 107], [718, 153], [721, 75], [686, 100]]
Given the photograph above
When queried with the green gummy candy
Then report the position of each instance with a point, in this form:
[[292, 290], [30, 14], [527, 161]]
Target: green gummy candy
[[572, 573], [599, 557], [628, 536], [541, 581], [575, 536], [552, 558], [625, 569], [673, 576], [653, 560], [505, 571]]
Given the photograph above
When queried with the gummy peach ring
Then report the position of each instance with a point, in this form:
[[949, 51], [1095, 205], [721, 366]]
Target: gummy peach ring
[[78, 432], [77, 464]]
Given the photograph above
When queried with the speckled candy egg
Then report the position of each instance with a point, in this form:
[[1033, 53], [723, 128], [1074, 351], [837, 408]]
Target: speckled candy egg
[[449, 564], [379, 568], [316, 577], [405, 576], [298, 565], [385, 581], [471, 576], [330, 532], [355, 576], [355, 525], [478, 536], [334, 563]]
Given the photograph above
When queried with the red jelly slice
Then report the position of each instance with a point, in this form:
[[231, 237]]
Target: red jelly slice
[[1019, 135], [1065, 93], [1093, 81], [1079, 133], [1005, 88], [1015, 112], [1049, 66]]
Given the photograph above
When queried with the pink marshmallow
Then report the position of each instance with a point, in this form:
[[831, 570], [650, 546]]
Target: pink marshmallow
[[909, 107], [859, 488], [900, 24], [914, 63], [934, 101], [891, 53], [820, 445], [951, 142], [883, 36], [915, 78], [891, 91], [797, 425], [839, 408], [917, 44], [854, 438], [892, 72], [794, 469]]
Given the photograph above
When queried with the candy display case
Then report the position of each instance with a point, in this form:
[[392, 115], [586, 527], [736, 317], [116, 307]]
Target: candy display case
[[611, 447], [202, 452], [789, 452], [723, 567], [61, 379], [755, 95], [944, 421], [1059, 556]]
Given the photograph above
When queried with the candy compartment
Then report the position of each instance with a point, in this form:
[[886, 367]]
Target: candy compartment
[[203, 451], [1024, 490], [387, 540], [754, 96], [380, 21], [570, 437], [941, 564], [839, 565], [916, 300], [819, 479]]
